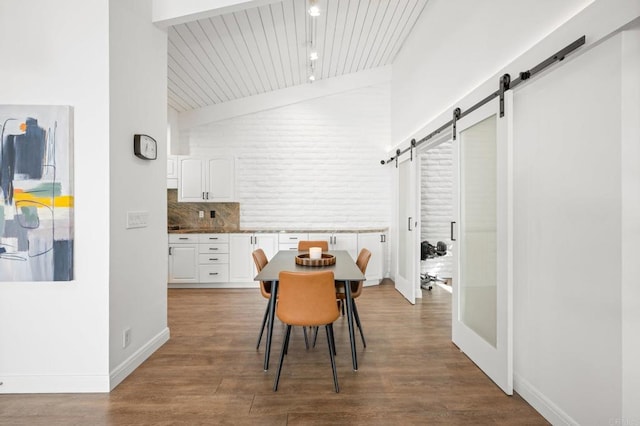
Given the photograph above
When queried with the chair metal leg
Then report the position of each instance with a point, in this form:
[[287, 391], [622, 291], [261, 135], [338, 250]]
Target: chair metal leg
[[315, 336], [357, 318], [306, 339], [333, 340], [329, 329], [285, 343], [264, 323]]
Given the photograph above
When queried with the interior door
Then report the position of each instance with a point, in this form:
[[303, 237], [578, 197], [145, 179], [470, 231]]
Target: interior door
[[407, 276], [482, 248]]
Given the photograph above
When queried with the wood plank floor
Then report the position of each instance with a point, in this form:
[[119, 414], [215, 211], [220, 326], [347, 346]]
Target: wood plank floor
[[210, 373]]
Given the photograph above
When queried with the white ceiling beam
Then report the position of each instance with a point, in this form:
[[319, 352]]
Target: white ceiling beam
[[283, 97], [171, 12]]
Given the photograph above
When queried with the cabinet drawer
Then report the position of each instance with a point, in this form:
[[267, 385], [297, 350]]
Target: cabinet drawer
[[291, 238], [214, 248], [213, 238], [214, 273], [183, 238], [208, 259], [288, 246]]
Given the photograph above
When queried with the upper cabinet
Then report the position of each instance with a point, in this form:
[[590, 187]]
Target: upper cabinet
[[172, 171], [205, 179]]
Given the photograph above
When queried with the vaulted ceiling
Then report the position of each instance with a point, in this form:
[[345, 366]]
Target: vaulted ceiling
[[262, 49]]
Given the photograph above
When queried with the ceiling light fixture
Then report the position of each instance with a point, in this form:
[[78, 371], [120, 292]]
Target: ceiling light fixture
[[314, 12]]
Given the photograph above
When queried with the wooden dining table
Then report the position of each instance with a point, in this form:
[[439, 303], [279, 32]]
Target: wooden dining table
[[345, 269]]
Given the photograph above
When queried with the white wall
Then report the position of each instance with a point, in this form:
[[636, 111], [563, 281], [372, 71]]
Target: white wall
[[171, 12], [457, 45], [54, 336], [576, 207], [630, 267], [66, 337], [309, 165], [138, 256]]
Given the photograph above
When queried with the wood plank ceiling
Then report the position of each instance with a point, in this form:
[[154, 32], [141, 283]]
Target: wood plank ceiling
[[266, 48]]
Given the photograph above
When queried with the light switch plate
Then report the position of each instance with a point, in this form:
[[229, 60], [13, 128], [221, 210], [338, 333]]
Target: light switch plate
[[137, 219]]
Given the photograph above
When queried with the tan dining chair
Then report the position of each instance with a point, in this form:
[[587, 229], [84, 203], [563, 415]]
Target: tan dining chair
[[260, 260], [306, 244], [307, 299], [356, 289]]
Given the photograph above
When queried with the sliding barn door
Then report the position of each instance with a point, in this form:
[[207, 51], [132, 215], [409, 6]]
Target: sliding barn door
[[482, 278], [407, 275]]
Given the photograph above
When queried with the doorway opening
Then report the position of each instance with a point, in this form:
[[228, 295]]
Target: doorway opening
[[436, 214]]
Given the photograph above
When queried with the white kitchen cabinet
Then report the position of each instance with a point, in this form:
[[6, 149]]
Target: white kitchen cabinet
[[241, 245], [213, 258], [289, 240], [338, 241], [321, 236], [172, 172], [183, 258], [376, 243], [205, 179]]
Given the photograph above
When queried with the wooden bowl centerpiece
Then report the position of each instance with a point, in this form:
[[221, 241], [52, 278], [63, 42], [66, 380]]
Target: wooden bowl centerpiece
[[326, 260]]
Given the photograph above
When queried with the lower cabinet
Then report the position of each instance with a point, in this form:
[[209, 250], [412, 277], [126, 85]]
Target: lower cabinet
[[339, 241], [289, 240], [241, 245], [213, 258], [183, 258], [224, 260], [198, 259], [375, 242]]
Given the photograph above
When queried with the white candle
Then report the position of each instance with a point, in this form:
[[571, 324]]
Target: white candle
[[315, 252]]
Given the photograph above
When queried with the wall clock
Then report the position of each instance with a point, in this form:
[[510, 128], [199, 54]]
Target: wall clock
[[145, 147]]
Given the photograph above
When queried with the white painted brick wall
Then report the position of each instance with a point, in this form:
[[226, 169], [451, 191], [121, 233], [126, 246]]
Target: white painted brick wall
[[436, 170], [314, 164]]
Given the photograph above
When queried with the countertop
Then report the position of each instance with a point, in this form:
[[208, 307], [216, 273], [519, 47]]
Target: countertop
[[172, 230]]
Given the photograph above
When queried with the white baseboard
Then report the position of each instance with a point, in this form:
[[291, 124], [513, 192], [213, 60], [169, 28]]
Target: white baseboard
[[541, 403], [54, 384], [252, 284], [138, 357]]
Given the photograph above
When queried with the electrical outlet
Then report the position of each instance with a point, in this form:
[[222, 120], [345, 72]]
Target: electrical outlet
[[201, 214], [212, 214], [126, 337]]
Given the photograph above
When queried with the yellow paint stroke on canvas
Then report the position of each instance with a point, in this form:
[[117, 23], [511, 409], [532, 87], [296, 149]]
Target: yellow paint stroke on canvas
[[25, 197]]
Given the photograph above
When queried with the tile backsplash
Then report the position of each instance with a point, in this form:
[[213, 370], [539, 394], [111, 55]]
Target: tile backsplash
[[185, 215]]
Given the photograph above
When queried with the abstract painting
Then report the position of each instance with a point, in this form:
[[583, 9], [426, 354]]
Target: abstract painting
[[36, 193]]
